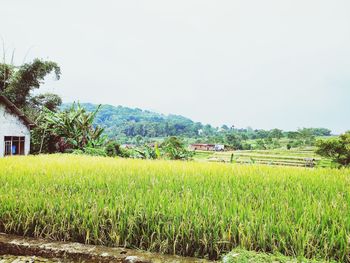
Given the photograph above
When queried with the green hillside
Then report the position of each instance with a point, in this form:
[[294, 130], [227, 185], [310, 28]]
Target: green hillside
[[132, 125], [122, 123]]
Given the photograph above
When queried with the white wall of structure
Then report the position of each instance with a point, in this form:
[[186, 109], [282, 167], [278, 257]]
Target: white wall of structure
[[12, 125]]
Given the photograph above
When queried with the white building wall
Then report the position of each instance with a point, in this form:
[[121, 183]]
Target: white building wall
[[12, 125]]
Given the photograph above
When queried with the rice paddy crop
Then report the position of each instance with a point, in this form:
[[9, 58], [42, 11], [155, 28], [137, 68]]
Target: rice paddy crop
[[185, 208]]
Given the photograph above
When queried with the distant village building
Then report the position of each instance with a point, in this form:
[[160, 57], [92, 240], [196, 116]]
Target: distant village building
[[207, 147], [14, 129], [219, 147]]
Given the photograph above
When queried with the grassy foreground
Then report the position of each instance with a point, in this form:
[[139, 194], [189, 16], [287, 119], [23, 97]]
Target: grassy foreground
[[187, 208]]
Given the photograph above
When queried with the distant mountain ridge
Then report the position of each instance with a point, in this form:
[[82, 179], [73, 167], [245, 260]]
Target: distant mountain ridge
[[122, 122]]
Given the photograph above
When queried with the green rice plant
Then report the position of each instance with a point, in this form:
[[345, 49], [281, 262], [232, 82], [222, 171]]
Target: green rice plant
[[177, 207], [243, 256]]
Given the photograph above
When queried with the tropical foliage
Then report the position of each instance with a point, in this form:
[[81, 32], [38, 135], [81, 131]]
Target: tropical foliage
[[73, 128], [17, 82], [174, 149], [337, 149]]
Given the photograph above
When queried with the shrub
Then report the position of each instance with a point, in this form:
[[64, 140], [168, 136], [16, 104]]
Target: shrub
[[113, 149], [90, 151], [174, 149], [338, 149]]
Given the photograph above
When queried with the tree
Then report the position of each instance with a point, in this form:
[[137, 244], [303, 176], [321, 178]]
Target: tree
[[321, 132], [38, 103], [16, 83], [225, 128], [292, 134], [49, 101], [276, 133], [234, 140], [261, 134], [175, 149], [72, 128], [337, 149], [306, 136], [260, 144]]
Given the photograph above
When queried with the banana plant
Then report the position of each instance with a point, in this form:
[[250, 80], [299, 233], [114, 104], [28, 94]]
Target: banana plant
[[74, 128]]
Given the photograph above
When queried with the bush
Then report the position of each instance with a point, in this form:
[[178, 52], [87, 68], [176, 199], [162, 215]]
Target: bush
[[113, 149], [90, 151], [337, 149], [246, 146], [174, 149]]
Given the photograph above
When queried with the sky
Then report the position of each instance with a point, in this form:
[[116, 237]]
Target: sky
[[263, 64]]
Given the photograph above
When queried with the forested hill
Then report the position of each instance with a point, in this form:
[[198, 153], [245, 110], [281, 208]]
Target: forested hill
[[131, 125], [123, 122]]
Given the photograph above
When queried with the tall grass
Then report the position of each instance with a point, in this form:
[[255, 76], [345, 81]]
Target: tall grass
[[186, 208]]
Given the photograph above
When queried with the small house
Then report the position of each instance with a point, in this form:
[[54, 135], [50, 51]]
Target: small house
[[207, 147], [14, 129], [202, 147], [219, 147]]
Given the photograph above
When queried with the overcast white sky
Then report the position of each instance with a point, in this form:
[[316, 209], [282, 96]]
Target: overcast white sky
[[265, 64]]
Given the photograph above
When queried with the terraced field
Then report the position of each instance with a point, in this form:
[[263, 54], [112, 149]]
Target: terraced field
[[299, 158]]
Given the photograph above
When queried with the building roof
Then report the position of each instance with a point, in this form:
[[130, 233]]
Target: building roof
[[12, 107], [203, 144]]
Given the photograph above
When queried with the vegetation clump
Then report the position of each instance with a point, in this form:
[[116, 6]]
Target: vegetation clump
[[175, 149], [337, 149], [244, 256]]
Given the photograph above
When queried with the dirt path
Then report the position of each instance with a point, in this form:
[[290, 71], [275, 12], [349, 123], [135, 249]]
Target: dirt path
[[40, 250]]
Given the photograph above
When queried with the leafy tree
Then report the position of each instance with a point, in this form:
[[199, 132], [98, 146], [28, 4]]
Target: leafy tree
[[276, 133], [321, 132], [174, 149], [49, 101], [246, 146], [306, 135], [292, 135], [37, 104], [337, 149], [261, 134], [234, 140], [260, 144], [16, 83]]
